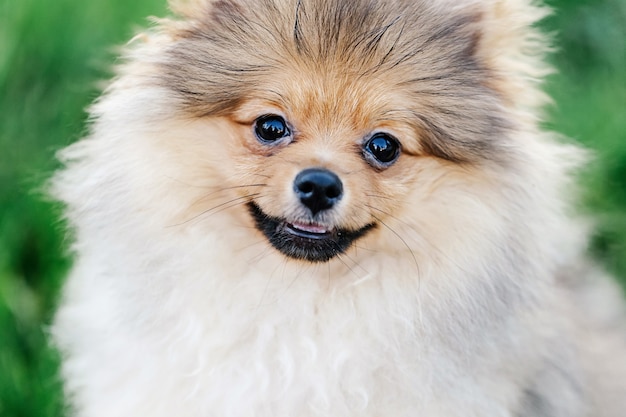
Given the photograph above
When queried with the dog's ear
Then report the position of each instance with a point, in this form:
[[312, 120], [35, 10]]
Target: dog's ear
[[514, 49], [185, 7], [190, 9], [204, 13]]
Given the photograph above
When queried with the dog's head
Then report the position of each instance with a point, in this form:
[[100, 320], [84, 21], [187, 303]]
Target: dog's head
[[330, 125], [338, 117]]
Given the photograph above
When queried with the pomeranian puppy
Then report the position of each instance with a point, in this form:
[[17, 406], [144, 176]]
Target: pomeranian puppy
[[333, 208]]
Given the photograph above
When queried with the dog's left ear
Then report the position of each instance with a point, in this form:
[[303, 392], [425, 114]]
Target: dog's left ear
[[514, 49]]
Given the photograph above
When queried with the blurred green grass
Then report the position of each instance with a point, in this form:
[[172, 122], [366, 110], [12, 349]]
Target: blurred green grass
[[52, 53]]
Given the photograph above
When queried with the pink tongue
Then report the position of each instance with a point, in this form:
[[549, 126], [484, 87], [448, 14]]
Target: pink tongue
[[311, 228]]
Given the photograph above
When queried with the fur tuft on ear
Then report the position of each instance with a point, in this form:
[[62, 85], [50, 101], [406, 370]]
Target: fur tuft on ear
[[514, 48], [188, 8]]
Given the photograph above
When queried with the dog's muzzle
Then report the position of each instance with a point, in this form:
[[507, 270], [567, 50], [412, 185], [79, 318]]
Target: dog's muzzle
[[318, 190]]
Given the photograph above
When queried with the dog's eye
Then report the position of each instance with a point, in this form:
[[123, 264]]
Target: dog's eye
[[270, 128], [381, 150]]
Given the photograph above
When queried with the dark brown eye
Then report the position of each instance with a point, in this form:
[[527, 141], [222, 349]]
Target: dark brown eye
[[271, 128], [381, 150]]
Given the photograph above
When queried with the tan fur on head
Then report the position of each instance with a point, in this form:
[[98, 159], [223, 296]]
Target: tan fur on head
[[442, 278]]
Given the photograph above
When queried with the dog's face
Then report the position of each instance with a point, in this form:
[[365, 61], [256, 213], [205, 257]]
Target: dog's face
[[329, 160], [331, 121]]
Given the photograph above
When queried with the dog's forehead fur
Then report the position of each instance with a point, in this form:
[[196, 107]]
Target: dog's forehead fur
[[404, 61]]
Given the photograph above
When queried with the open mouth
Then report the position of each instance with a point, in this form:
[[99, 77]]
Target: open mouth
[[305, 240], [308, 230]]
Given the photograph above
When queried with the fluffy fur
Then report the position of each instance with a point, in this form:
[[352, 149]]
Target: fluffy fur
[[468, 296]]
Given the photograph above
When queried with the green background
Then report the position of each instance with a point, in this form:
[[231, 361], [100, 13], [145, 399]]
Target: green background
[[53, 53]]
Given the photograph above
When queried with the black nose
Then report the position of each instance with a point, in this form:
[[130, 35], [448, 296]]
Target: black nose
[[318, 189]]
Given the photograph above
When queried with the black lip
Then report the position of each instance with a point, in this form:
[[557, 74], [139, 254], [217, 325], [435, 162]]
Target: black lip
[[304, 245]]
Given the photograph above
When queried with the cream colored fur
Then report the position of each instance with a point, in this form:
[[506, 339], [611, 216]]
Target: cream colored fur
[[471, 298]]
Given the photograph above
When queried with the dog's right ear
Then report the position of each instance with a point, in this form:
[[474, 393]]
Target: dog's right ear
[[199, 10], [187, 8]]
